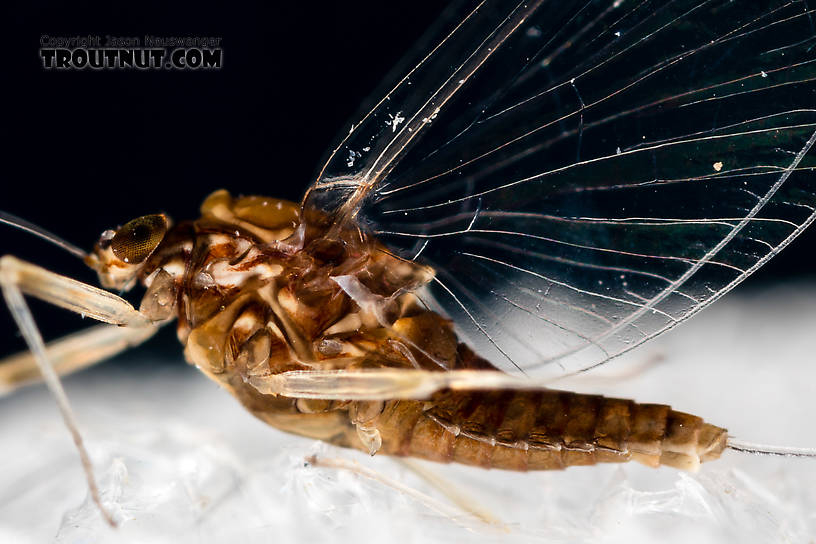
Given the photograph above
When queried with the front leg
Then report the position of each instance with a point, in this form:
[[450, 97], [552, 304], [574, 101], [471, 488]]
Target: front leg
[[71, 353], [68, 293], [18, 277]]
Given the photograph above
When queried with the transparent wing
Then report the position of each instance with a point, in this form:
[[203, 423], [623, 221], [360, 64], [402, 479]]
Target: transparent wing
[[449, 56], [585, 175]]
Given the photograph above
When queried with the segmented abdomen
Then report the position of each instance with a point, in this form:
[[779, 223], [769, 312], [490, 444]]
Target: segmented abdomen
[[545, 430]]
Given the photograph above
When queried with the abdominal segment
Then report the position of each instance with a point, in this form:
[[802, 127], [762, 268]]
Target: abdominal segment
[[545, 430]]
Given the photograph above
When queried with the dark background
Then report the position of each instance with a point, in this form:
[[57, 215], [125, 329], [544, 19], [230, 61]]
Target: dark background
[[86, 150]]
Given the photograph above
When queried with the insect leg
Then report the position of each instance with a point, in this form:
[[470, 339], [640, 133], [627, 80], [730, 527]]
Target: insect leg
[[383, 384], [454, 514], [68, 293], [459, 497], [71, 353], [18, 277]]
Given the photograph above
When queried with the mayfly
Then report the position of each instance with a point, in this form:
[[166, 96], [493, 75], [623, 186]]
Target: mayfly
[[545, 187]]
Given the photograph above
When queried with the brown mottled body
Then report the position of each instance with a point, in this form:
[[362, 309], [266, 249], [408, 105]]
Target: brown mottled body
[[545, 430], [260, 290]]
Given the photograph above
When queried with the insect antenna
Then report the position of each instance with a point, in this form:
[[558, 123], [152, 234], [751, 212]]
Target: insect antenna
[[765, 449], [20, 223]]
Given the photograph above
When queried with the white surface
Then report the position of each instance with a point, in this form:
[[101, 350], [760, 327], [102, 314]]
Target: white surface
[[180, 461]]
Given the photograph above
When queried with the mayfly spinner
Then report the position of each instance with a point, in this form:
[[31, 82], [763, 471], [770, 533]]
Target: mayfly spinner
[[548, 186]]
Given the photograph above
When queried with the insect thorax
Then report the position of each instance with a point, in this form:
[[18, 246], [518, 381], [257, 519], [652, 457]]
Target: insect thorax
[[258, 288]]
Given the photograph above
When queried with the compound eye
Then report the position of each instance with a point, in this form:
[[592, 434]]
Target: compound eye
[[137, 239]]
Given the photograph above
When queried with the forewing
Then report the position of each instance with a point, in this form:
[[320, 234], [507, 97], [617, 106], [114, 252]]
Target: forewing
[[585, 175], [449, 56]]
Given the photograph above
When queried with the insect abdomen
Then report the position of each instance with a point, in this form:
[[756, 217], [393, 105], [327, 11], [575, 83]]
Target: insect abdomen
[[547, 430]]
